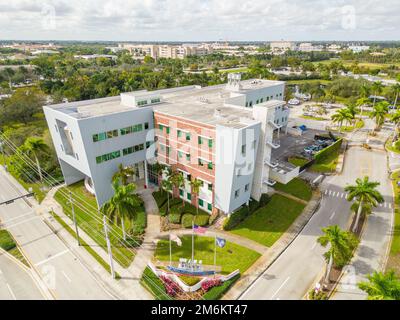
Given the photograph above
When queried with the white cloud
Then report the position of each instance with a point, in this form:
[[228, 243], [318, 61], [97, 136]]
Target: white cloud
[[201, 19]]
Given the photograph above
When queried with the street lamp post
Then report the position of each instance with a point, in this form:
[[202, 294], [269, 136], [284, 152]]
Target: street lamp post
[[109, 247], [74, 218]]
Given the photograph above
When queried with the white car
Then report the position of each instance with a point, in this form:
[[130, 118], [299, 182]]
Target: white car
[[294, 102]]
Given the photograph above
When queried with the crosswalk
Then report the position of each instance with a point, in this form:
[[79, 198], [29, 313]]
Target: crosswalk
[[343, 195]]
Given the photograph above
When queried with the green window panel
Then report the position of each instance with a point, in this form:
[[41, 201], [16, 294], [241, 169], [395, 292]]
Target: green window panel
[[161, 127], [146, 125], [201, 202], [200, 140], [210, 187], [181, 192], [180, 154], [189, 196], [168, 129], [179, 133], [209, 206], [188, 136], [210, 143], [188, 156], [210, 165]]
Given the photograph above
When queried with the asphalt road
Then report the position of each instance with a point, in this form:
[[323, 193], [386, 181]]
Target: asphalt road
[[299, 267], [61, 272], [15, 282]]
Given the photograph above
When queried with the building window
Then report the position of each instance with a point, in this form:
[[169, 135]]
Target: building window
[[62, 147], [210, 165], [108, 156], [146, 125], [155, 100], [133, 149], [200, 140], [161, 127], [237, 192], [168, 130], [76, 156], [56, 127], [247, 104], [253, 144], [210, 143], [188, 156], [261, 100], [201, 202], [180, 154], [209, 206], [244, 150], [142, 103], [200, 162], [257, 101], [187, 136], [246, 187], [181, 192], [251, 103], [162, 147], [168, 150], [179, 133], [210, 186], [189, 196]]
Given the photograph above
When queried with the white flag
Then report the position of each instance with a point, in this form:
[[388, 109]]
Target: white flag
[[176, 239]]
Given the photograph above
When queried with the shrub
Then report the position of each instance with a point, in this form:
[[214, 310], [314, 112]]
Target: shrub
[[317, 295], [264, 199], [236, 217], [171, 288], [201, 219], [210, 283], [187, 219], [174, 217], [6, 241], [217, 292], [160, 197]]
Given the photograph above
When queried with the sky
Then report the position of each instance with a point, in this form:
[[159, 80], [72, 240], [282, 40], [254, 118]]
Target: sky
[[200, 20]]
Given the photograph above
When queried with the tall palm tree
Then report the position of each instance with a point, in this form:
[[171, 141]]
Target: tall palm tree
[[123, 174], [364, 191], [178, 181], [382, 286], [364, 91], [379, 113], [166, 184], [122, 205], [196, 184], [395, 118], [361, 103], [33, 146], [396, 89], [341, 245], [376, 88], [341, 116]]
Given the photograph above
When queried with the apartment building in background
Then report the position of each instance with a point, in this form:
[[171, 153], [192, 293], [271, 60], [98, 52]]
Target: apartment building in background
[[282, 46], [221, 135]]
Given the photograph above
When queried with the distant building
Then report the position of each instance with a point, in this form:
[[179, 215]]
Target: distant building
[[358, 49], [309, 47], [283, 46], [95, 56]]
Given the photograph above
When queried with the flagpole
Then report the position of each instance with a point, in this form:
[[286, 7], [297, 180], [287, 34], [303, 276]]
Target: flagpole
[[215, 254], [170, 251], [192, 241]]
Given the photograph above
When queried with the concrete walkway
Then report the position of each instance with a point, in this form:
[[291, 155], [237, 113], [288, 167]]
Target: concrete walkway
[[128, 287]]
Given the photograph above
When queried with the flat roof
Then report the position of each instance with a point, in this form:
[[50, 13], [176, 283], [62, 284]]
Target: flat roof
[[209, 105]]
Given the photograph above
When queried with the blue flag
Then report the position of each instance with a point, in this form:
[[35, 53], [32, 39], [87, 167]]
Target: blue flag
[[220, 242]]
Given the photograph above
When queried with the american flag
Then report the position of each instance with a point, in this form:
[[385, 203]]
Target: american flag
[[198, 229]]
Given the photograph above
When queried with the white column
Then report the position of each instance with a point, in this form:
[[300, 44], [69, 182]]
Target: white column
[[146, 178]]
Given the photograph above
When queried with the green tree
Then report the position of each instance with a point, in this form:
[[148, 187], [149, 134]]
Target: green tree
[[341, 116], [166, 185], [33, 146], [381, 286], [376, 88], [341, 244], [122, 205], [395, 118], [123, 174], [195, 189], [178, 181], [365, 192], [378, 113]]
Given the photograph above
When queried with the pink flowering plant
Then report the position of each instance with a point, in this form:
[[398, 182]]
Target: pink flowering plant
[[171, 288], [208, 284]]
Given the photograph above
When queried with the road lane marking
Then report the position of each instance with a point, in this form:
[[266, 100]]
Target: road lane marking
[[52, 257], [281, 286], [314, 245], [65, 275], [390, 206], [330, 192], [332, 215], [21, 222], [16, 218], [11, 292], [342, 195]]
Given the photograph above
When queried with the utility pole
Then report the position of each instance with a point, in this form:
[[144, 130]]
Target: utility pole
[[74, 218], [109, 247], [4, 156]]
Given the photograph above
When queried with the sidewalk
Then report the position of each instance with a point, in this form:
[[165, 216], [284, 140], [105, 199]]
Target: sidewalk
[[128, 287], [271, 254]]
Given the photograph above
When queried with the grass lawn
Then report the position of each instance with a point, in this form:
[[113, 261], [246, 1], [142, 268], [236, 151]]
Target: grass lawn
[[267, 224], [394, 256], [297, 187], [230, 258], [314, 118], [297, 161], [155, 286], [360, 124], [39, 194], [328, 164], [94, 227], [7, 243]]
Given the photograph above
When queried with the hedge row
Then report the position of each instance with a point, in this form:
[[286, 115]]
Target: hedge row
[[216, 293], [324, 153], [244, 211]]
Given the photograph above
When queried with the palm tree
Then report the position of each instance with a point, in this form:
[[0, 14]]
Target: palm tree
[[122, 205], [376, 88], [342, 115], [361, 103], [382, 286], [395, 118], [364, 91], [123, 174], [379, 113], [34, 145], [178, 181], [166, 184], [196, 184], [364, 191], [396, 89], [341, 246]]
